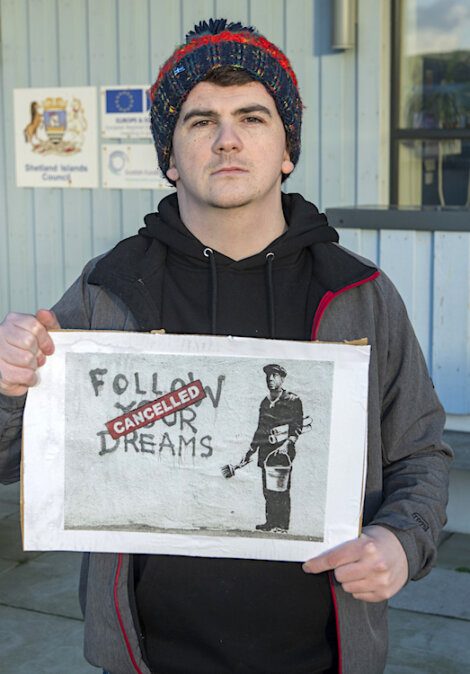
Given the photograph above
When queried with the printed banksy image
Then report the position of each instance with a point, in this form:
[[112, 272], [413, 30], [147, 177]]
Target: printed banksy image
[[281, 422], [169, 433], [195, 445]]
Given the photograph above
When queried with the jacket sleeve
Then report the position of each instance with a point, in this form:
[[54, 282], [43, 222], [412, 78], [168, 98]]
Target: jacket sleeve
[[72, 311], [415, 459], [11, 420]]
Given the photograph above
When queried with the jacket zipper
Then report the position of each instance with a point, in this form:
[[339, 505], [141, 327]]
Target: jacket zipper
[[327, 298], [119, 616]]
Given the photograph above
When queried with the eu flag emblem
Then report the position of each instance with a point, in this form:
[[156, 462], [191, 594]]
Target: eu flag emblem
[[124, 100]]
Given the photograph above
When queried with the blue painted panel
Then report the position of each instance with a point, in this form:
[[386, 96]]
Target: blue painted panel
[[4, 226], [299, 47], [74, 66], [134, 61], [193, 11], [372, 105], [167, 33], [406, 257], [19, 201], [164, 34], [350, 238], [268, 17], [47, 203], [106, 205], [451, 325], [337, 82], [361, 241], [234, 11]]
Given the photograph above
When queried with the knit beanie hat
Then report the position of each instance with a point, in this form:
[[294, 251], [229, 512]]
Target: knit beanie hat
[[211, 45]]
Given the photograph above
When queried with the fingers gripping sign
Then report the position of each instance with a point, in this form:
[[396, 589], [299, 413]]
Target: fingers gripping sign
[[372, 568], [25, 344]]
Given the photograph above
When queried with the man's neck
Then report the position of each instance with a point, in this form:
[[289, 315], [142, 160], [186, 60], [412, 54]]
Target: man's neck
[[273, 395], [239, 232]]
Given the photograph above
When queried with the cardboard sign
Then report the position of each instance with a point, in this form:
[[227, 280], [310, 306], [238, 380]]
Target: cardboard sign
[[195, 445]]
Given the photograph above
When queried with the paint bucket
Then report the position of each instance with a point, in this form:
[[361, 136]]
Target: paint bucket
[[277, 471]]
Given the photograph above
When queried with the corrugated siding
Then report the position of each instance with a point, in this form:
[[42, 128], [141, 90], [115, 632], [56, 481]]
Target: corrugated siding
[[432, 272], [46, 235]]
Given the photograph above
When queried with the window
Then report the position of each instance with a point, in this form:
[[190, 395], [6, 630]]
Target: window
[[431, 103]]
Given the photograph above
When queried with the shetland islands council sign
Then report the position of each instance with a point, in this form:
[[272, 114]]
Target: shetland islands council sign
[[56, 137]]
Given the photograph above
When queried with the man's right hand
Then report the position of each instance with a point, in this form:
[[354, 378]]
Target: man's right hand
[[24, 345]]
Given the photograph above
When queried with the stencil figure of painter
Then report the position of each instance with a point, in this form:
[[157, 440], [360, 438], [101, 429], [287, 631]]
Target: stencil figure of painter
[[281, 421]]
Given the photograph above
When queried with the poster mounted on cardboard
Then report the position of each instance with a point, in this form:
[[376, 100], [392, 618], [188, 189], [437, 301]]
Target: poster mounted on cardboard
[[56, 137], [195, 445]]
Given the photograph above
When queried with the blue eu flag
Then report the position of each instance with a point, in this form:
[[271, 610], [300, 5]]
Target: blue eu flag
[[124, 100]]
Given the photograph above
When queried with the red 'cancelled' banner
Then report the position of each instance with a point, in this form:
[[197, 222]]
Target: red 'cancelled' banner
[[187, 395]]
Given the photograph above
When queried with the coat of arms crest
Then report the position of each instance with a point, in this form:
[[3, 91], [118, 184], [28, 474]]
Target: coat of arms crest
[[57, 126]]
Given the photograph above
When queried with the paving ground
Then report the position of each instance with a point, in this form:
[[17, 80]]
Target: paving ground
[[41, 629]]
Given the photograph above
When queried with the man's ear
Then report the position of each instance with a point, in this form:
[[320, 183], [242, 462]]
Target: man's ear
[[287, 166], [172, 172]]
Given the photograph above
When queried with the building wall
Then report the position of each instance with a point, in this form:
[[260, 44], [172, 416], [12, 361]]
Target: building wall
[[47, 234]]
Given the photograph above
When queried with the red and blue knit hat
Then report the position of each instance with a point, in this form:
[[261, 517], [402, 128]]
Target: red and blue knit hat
[[210, 45]]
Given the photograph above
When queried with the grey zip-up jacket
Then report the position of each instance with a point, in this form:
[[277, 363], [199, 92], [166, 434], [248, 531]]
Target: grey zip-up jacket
[[408, 463]]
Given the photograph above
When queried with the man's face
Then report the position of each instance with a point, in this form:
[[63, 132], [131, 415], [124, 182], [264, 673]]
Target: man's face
[[229, 146], [274, 381]]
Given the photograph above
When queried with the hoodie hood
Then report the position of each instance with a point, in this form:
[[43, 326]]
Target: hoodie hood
[[306, 226], [165, 272]]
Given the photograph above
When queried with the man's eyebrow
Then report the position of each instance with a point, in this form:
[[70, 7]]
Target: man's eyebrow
[[212, 114], [253, 108], [200, 113]]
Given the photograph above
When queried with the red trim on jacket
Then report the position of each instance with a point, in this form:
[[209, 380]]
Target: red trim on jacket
[[329, 296], [335, 607], [118, 613]]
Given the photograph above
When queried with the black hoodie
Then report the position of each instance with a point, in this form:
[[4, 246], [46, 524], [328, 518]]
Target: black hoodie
[[202, 615], [270, 294]]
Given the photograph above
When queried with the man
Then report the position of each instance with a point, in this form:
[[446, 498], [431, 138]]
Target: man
[[230, 254], [279, 426]]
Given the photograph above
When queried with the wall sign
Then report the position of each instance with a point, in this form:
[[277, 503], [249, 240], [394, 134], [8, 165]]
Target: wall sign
[[131, 166], [55, 137], [125, 111]]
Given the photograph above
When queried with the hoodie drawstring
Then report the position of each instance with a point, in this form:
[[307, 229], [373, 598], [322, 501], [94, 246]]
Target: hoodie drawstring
[[208, 252], [270, 289]]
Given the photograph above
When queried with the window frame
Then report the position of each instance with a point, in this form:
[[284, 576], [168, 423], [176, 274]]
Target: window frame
[[398, 134]]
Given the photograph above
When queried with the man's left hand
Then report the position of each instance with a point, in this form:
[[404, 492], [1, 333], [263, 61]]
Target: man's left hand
[[372, 567]]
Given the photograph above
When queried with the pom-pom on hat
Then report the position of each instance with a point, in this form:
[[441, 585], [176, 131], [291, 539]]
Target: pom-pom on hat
[[213, 44]]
